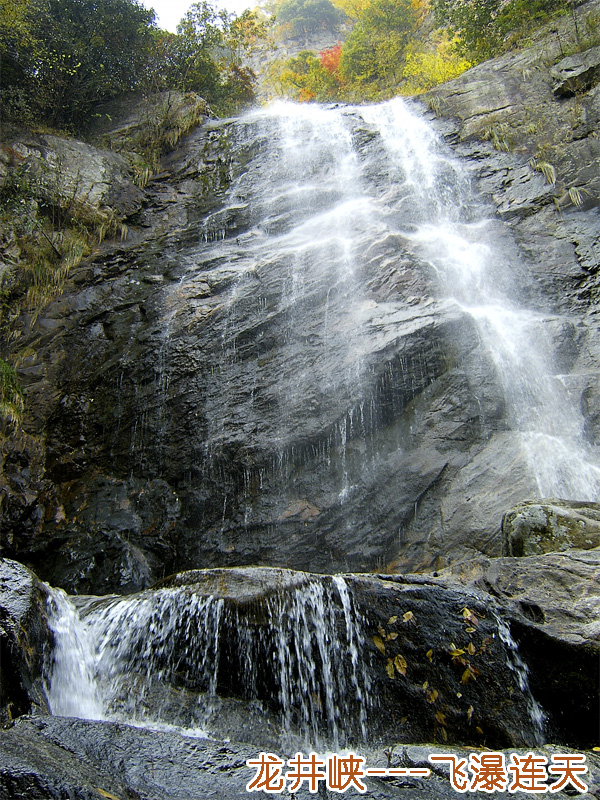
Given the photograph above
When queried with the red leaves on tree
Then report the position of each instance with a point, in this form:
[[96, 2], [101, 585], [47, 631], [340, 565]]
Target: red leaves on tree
[[330, 58]]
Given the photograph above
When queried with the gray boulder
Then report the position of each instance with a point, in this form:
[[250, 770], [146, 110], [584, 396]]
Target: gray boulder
[[43, 759], [534, 528], [75, 177], [554, 599]]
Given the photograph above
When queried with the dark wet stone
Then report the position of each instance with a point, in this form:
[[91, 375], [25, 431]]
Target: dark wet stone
[[24, 637], [50, 758]]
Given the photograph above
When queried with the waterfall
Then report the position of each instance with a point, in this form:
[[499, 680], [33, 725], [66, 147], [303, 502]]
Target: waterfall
[[299, 349], [165, 657], [348, 269], [475, 273]]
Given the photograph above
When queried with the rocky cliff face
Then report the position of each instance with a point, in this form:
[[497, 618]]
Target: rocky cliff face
[[194, 399], [276, 367]]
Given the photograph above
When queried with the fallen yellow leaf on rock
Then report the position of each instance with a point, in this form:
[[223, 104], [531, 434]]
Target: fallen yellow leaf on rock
[[105, 794], [432, 695], [401, 664]]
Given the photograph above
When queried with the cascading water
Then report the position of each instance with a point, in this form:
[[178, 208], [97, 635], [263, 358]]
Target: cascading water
[[521, 671], [307, 335], [163, 657], [456, 239], [347, 247]]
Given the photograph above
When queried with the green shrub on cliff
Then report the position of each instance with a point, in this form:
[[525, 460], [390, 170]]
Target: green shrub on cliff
[[301, 17], [60, 58], [11, 394], [482, 26]]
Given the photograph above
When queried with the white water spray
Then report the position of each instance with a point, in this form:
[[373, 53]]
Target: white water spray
[[155, 658], [521, 672], [473, 272]]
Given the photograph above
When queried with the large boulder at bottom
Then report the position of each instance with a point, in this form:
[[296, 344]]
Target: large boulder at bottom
[[53, 757], [535, 527], [554, 601], [23, 637]]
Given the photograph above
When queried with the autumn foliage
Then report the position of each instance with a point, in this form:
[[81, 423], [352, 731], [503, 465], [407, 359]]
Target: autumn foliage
[[330, 58], [390, 50]]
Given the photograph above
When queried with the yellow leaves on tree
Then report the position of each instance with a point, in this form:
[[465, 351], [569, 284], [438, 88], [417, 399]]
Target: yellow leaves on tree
[[352, 8], [424, 69]]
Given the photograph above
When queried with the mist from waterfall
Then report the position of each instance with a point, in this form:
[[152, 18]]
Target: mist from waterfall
[[333, 194], [347, 269]]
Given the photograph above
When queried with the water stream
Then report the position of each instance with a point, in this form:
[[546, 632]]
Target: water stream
[[475, 272], [167, 657], [346, 241], [350, 191]]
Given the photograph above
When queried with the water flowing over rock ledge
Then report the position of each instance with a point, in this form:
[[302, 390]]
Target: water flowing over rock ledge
[[326, 359], [273, 659], [345, 660]]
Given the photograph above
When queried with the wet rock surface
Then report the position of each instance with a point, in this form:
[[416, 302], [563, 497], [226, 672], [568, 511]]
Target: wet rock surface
[[24, 636], [543, 589], [554, 599], [192, 415], [106, 759], [180, 362], [461, 658]]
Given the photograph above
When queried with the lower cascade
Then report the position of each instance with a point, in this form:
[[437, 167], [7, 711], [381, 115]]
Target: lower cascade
[[164, 656], [291, 659]]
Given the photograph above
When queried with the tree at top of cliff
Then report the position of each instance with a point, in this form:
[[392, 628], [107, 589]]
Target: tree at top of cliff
[[481, 26], [374, 51], [62, 57], [301, 17]]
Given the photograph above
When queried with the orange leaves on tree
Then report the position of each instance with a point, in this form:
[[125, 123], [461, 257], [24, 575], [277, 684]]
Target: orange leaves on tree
[[305, 95]]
